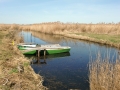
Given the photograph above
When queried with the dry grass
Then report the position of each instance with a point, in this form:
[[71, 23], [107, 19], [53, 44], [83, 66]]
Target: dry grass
[[99, 33], [7, 27], [104, 75], [15, 70], [56, 28]]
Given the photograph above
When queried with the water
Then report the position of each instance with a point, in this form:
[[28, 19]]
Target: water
[[66, 70]]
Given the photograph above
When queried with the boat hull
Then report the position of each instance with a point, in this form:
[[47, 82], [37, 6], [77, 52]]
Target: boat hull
[[47, 49], [28, 52], [54, 51]]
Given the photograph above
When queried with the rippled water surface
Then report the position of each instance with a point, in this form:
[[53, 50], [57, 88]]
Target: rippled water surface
[[66, 70]]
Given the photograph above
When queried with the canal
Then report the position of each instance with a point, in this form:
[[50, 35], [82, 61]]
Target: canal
[[70, 70]]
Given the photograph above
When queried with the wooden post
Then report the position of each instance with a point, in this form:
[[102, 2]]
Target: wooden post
[[38, 56], [38, 53], [44, 53], [44, 56]]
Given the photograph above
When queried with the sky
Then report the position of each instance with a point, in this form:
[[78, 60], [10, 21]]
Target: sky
[[72, 11]]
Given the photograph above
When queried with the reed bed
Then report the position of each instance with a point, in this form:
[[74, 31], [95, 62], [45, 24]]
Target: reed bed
[[56, 28], [104, 74], [59, 28], [100, 33], [7, 27]]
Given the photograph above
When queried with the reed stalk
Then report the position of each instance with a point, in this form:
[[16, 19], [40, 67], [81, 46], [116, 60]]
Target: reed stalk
[[104, 74]]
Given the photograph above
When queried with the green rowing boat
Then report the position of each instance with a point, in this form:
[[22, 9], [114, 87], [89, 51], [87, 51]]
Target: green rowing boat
[[49, 49]]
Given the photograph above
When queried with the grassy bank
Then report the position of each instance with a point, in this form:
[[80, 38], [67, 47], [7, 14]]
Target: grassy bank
[[15, 70], [100, 33], [109, 38], [104, 74]]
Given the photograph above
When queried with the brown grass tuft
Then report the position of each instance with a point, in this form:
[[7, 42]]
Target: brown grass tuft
[[104, 75]]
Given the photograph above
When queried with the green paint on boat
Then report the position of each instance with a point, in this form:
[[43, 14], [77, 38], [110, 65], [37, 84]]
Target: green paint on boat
[[22, 47], [54, 51], [24, 51]]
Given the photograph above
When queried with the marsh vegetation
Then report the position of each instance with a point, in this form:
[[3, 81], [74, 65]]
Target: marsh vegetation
[[104, 74], [15, 70], [99, 33]]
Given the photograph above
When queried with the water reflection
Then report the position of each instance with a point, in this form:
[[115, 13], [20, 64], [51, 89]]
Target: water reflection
[[42, 59], [47, 37], [68, 70], [58, 39], [41, 38]]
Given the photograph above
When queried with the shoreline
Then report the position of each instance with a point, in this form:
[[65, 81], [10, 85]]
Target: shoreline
[[107, 34], [84, 38], [15, 70]]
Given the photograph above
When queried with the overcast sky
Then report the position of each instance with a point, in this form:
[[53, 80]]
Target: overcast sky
[[74, 11]]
